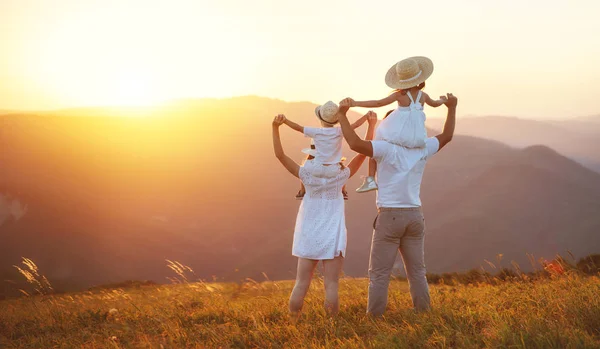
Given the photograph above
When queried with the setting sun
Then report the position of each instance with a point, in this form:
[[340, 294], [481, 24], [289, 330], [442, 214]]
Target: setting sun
[[135, 90]]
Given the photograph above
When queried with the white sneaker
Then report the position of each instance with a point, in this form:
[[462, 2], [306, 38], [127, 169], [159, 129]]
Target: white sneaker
[[367, 185]]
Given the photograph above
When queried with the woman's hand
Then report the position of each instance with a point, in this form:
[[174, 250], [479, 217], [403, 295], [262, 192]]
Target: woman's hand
[[371, 118], [278, 120]]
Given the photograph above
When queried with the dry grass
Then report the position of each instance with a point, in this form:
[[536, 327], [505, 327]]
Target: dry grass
[[553, 313]]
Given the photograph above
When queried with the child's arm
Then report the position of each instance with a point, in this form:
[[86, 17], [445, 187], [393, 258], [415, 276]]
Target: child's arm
[[434, 103], [374, 103], [294, 126], [358, 123]]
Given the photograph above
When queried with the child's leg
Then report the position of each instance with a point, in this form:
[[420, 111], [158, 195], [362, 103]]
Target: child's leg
[[301, 192], [369, 182], [372, 167], [304, 273]]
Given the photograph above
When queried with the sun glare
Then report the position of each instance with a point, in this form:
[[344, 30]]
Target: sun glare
[[135, 90]]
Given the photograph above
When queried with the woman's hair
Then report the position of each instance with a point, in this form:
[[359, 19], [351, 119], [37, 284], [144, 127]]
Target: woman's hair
[[388, 113]]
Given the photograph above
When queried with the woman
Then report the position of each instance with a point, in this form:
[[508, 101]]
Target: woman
[[320, 233]]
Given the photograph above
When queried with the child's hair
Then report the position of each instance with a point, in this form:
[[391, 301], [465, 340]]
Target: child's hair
[[388, 113], [403, 92]]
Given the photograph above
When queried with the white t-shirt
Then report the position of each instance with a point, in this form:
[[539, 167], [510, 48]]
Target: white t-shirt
[[328, 143], [400, 172]]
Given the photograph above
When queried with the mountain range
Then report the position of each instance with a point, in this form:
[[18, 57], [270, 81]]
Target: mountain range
[[576, 138], [107, 198]]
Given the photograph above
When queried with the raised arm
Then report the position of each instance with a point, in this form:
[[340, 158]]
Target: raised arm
[[294, 126], [446, 136], [374, 103], [434, 102], [357, 161], [354, 141], [358, 123], [285, 160]]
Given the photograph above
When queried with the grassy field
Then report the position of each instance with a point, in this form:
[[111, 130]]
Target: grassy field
[[562, 312]]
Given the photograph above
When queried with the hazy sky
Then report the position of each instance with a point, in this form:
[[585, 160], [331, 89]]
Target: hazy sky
[[513, 57]]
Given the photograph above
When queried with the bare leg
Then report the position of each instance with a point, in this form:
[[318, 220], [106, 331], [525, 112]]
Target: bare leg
[[372, 167], [301, 192], [332, 270], [304, 273]]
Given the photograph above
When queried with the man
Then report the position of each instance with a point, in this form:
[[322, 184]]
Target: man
[[400, 225]]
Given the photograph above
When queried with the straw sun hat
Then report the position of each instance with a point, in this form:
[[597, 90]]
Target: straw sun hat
[[328, 113], [409, 72]]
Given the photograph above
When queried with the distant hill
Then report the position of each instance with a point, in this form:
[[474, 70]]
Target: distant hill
[[576, 138], [109, 199]]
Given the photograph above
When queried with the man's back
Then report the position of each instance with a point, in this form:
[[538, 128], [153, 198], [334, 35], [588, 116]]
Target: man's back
[[400, 172]]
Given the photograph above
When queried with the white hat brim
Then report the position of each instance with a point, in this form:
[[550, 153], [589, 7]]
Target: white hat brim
[[393, 81], [309, 151]]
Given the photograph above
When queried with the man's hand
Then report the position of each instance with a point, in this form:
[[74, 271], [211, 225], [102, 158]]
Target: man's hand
[[278, 120], [347, 102], [446, 136], [449, 100], [371, 118]]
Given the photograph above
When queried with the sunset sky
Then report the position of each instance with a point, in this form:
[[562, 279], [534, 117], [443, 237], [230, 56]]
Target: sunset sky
[[519, 58]]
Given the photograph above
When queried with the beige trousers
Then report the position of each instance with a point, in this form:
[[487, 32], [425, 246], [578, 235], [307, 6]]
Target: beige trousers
[[397, 229]]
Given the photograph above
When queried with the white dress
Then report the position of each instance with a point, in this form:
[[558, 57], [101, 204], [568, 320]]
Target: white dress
[[405, 126], [320, 231]]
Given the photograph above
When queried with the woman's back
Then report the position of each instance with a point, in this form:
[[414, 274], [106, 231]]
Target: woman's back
[[323, 182], [320, 231]]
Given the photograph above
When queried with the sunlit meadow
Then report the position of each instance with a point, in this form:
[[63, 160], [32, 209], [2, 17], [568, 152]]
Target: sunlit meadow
[[558, 311]]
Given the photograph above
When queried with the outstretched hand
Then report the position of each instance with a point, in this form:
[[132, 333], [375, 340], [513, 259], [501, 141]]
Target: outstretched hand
[[278, 120], [347, 102], [371, 117], [449, 100]]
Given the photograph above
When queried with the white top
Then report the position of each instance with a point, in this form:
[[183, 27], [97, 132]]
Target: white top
[[400, 171], [405, 126], [320, 231], [328, 143]]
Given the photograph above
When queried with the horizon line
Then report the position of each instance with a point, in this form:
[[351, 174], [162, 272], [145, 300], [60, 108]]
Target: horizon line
[[10, 111]]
